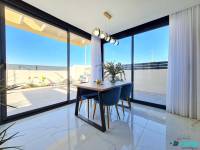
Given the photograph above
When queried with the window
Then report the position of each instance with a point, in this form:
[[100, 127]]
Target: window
[[36, 57], [80, 62], [150, 65], [147, 52], [119, 54]]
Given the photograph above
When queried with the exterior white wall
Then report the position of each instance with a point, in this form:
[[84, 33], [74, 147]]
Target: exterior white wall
[[19, 77], [154, 80]]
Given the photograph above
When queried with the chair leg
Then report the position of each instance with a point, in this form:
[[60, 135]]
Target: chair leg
[[95, 105], [117, 111], [123, 106], [108, 120], [81, 102], [129, 103], [111, 110], [88, 108]]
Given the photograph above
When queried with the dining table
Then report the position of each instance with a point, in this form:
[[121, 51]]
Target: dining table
[[92, 87]]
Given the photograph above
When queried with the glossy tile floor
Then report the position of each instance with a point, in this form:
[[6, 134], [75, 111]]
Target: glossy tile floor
[[144, 128]]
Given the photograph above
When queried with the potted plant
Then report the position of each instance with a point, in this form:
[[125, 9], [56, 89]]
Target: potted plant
[[114, 71]]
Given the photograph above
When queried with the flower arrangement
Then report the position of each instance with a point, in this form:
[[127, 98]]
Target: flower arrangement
[[114, 71]]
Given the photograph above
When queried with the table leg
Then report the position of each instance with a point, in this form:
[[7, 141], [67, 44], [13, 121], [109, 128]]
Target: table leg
[[101, 127], [102, 114], [77, 101]]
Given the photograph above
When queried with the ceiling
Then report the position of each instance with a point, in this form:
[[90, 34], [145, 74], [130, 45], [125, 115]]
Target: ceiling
[[88, 14], [24, 22]]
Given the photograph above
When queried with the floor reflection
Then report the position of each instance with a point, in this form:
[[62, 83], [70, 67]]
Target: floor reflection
[[143, 128]]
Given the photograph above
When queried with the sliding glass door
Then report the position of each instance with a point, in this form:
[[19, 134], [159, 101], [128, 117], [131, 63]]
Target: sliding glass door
[[80, 62], [150, 65], [145, 59], [36, 62], [40, 61]]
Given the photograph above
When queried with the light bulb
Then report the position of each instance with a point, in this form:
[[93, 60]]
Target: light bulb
[[112, 41], [102, 35], [108, 38], [96, 32]]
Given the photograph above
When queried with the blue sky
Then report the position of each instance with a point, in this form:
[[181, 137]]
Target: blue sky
[[32, 49], [150, 46]]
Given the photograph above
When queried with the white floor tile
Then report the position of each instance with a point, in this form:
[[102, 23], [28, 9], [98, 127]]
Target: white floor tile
[[143, 128]]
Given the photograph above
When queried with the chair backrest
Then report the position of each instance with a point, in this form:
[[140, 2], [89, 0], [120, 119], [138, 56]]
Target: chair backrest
[[126, 91], [111, 97]]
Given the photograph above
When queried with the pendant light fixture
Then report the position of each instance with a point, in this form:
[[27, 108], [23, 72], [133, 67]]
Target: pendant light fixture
[[107, 38], [112, 41], [103, 35], [96, 32]]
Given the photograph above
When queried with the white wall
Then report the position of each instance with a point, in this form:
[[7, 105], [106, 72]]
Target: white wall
[[51, 77], [152, 80]]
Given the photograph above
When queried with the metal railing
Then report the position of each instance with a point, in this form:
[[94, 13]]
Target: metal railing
[[149, 65]]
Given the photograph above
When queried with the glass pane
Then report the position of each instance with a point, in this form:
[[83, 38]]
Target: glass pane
[[119, 54], [36, 54], [80, 62], [150, 65]]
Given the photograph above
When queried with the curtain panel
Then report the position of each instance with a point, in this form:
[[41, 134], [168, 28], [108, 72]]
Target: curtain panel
[[183, 95], [96, 59]]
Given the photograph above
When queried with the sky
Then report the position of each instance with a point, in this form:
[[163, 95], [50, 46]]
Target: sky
[[26, 48], [150, 46]]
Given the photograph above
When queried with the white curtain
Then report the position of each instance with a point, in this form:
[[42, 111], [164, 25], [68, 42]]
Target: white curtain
[[96, 59], [183, 97]]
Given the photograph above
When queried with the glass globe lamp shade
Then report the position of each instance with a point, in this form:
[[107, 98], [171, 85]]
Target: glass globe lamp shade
[[108, 38], [112, 41], [102, 35], [96, 32]]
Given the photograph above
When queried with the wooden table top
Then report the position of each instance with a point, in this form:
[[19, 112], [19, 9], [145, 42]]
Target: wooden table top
[[106, 85]]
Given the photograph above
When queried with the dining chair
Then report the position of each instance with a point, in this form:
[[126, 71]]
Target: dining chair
[[125, 95], [109, 98], [87, 95]]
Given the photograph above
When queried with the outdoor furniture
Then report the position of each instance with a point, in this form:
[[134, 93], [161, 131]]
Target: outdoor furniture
[[125, 95], [91, 87]]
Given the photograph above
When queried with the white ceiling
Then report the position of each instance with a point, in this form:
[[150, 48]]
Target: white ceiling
[[88, 14]]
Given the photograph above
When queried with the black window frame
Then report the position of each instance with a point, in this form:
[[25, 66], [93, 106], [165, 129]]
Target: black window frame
[[45, 17], [158, 23], [36, 13]]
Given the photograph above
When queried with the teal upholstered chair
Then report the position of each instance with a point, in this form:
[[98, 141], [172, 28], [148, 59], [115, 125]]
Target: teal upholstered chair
[[87, 95], [125, 94], [109, 98]]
